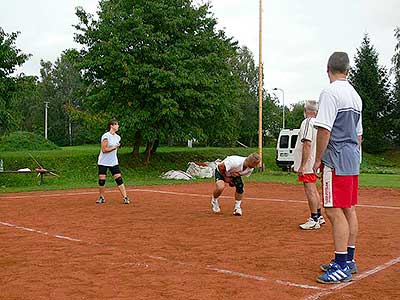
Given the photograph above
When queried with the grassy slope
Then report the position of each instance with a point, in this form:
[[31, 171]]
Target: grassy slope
[[77, 167]]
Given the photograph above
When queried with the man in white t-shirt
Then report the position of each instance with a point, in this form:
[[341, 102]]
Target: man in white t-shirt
[[339, 123], [304, 157], [230, 171], [110, 142]]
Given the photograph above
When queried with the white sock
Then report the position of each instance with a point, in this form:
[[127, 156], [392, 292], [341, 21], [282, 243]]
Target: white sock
[[214, 199], [237, 203]]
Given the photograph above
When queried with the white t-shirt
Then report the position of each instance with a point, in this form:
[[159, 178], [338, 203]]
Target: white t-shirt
[[234, 163], [307, 132], [340, 112], [109, 159]]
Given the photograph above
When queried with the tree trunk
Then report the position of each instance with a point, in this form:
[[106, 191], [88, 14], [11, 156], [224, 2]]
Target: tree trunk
[[155, 146], [138, 141], [148, 151]]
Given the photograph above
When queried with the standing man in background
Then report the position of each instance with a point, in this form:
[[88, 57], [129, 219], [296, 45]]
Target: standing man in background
[[304, 157], [339, 126]]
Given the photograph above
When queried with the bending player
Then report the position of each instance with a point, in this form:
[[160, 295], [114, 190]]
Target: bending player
[[231, 170], [110, 142]]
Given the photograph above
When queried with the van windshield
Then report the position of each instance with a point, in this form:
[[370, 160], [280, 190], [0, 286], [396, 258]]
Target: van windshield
[[284, 142]]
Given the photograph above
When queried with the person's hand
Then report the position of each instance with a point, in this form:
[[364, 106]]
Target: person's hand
[[316, 168], [117, 146], [228, 179], [235, 174], [300, 171]]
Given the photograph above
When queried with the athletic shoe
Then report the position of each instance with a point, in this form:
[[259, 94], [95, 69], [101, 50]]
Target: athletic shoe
[[321, 220], [335, 274], [215, 206], [126, 200], [101, 200], [237, 211], [351, 264], [310, 224]]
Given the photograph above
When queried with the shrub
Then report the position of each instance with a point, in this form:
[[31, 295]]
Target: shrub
[[22, 141]]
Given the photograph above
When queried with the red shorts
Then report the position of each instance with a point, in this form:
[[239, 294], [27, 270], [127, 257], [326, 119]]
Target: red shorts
[[308, 178], [339, 191]]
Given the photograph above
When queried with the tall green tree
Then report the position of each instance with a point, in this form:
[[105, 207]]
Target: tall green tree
[[372, 83], [27, 106], [245, 69], [161, 68], [62, 86], [395, 114], [10, 58], [295, 115]]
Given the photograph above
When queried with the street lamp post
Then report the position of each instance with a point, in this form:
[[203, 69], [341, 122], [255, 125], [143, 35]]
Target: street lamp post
[[283, 104], [46, 106]]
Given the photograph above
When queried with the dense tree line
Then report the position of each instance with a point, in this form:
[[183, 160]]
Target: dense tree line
[[168, 75]]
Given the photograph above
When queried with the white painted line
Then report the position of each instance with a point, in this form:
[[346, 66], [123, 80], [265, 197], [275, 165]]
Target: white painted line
[[229, 272], [138, 263], [224, 271], [304, 286], [355, 279], [184, 194], [41, 232], [251, 198]]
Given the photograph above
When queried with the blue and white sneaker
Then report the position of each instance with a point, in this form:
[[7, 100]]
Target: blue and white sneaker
[[350, 263], [335, 274]]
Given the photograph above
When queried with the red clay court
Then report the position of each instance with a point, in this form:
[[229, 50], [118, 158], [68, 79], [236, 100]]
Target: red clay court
[[168, 245]]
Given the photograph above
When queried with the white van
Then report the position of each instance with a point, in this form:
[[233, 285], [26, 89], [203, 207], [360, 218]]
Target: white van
[[285, 148]]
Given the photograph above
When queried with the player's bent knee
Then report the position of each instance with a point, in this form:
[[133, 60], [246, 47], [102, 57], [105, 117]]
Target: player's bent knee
[[102, 182], [240, 189], [119, 180]]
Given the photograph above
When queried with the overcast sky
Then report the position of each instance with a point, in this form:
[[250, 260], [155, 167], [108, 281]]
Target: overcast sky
[[298, 35]]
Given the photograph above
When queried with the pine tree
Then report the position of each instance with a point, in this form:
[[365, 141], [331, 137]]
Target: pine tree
[[372, 83], [395, 114]]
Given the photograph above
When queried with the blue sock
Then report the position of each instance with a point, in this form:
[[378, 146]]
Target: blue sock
[[350, 252], [319, 212], [314, 216], [340, 259]]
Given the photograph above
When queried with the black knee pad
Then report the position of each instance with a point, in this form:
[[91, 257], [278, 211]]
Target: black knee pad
[[238, 183], [239, 189], [102, 182], [119, 180]]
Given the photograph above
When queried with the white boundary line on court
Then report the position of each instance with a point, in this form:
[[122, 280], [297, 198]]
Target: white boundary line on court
[[187, 194], [357, 278], [159, 258], [323, 293]]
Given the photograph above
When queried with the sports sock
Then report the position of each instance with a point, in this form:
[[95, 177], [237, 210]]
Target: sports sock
[[237, 203], [340, 259], [319, 212], [314, 216], [350, 252], [214, 199]]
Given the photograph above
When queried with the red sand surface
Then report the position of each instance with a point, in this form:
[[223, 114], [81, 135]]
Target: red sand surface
[[168, 245]]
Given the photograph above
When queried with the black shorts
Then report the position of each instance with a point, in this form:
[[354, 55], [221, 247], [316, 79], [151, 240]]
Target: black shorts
[[114, 170], [236, 181]]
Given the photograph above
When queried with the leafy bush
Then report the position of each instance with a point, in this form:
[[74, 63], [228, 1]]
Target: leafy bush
[[23, 141]]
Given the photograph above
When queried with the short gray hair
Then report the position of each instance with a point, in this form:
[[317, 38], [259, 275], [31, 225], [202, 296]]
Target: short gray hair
[[255, 157], [311, 105], [339, 63]]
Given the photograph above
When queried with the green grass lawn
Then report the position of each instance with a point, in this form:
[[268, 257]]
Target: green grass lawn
[[77, 167]]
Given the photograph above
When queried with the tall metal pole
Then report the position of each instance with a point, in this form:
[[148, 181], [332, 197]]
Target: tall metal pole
[[46, 106], [260, 92]]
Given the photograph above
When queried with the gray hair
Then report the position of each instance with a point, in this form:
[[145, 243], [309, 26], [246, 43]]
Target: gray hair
[[255, 157], [311, 105], [339, 63]]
